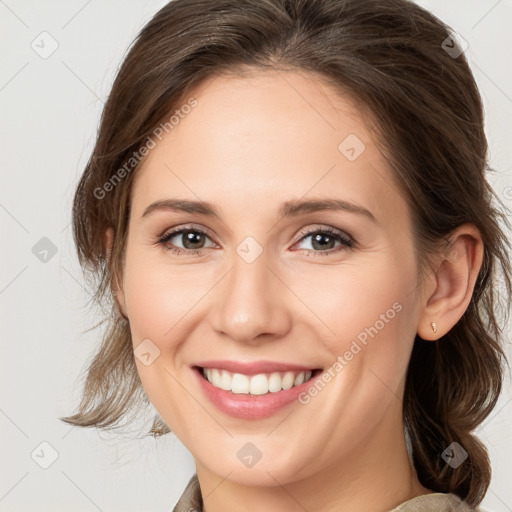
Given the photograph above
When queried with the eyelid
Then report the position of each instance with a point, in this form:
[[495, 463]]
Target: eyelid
[[319, 228], [187, 227]]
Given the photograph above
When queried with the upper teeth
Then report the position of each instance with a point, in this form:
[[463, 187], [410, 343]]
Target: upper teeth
[[255, 384]]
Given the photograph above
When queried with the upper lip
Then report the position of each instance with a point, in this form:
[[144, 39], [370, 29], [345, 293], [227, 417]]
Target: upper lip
[[253, 367]]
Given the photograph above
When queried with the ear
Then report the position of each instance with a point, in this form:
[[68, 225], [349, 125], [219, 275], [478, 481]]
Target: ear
[[117, 291], [453, 283]]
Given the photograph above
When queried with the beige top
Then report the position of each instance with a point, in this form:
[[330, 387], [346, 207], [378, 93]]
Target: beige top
[[191, 501]]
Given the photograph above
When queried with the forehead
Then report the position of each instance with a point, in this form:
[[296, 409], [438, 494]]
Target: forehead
[[254, 138]]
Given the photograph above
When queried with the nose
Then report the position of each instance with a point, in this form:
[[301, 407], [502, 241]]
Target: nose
[[251, 303]]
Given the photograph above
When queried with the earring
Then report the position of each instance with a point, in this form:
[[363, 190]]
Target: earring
[[434, 326]]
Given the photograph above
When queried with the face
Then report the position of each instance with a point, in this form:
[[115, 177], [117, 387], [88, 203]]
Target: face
[[291, 249]]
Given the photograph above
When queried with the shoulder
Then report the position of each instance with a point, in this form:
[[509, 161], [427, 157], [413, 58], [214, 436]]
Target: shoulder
[[191, 499], [435, 502]]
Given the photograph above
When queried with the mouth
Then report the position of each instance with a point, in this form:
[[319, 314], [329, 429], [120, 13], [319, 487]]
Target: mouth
[[256, 383], [253, 390]]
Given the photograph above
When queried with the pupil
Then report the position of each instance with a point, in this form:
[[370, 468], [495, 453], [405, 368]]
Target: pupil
[[317, 239], [191, 238]]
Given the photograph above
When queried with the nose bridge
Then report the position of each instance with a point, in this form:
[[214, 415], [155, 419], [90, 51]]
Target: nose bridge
[[250, 300]]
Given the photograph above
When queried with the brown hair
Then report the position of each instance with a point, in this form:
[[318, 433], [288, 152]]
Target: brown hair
[[389, 57]]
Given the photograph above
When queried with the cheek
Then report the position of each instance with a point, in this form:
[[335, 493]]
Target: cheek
[[161, 299], [158, 297], [365, 315]]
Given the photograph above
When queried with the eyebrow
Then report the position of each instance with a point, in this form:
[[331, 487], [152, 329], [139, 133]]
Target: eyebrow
[[288, 209]]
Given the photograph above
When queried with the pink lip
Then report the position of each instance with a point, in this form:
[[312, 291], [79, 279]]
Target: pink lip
[[250, 407], [253, 368]]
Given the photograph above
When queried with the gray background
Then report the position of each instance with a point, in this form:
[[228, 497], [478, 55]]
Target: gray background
[[50, 109]]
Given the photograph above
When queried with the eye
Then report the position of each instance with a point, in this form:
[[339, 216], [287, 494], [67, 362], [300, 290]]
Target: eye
[[323, 241], [192, 241]]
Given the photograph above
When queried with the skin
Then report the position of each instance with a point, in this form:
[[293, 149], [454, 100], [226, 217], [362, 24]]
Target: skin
[[252, 143]]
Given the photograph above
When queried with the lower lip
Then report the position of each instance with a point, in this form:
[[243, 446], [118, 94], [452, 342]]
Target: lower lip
[[251, 407]]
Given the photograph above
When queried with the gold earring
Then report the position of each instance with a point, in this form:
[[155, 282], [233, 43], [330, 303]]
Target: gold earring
[[434, 326]]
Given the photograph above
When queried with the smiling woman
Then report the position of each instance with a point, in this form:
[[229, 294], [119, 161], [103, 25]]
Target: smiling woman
[[303, 265]]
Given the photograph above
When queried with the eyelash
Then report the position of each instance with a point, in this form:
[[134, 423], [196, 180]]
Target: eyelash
[[346, 241]]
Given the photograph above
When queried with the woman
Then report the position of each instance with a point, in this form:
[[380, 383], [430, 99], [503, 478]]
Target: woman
[[287, 201]]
